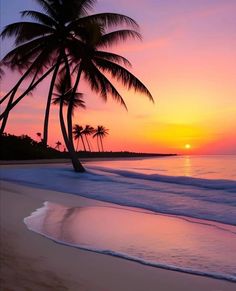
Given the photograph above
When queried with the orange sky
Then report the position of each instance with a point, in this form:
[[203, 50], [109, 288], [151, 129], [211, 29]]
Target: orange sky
[[187, 60]]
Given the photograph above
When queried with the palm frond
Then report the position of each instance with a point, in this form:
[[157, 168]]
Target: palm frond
[[115, 37], [110, 20], [24, 31], [47, 7], [41, 17], [113, 57], [102, 85], [123, 75]]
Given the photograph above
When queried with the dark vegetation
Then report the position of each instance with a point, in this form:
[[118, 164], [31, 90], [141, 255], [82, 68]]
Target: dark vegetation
[[25, 148]]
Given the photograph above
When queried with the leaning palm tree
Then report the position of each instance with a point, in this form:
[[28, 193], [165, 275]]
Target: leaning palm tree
[[63, 94], [50, 33], [67, 36], [88, 130], [78, 134], [100, 133], [96, 64]]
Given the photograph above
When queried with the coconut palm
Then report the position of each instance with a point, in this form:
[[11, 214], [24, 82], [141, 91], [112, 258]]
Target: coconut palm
[[62, 96], [96, 65], [58, 144], [50, 33], [100, 133], [67, 38], [78, 134], [87, 131]]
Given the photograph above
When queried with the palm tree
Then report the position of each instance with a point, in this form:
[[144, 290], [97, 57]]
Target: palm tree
[[78, 134], [65, 38], [88, 130], [93, 62], [49, 34], [58, 144], [39, 135], [100, 133], [62, 96]]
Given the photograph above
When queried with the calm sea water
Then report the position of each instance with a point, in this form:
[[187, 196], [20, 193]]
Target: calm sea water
[[196, 194], [206, 167]]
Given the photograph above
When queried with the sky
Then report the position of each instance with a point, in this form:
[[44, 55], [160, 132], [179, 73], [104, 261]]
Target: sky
[[187, 59]]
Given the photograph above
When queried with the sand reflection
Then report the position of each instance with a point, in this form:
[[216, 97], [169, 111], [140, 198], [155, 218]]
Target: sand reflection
[[150, 237]]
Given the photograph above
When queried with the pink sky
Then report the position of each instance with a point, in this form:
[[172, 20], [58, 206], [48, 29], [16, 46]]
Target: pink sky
[[187, 60]]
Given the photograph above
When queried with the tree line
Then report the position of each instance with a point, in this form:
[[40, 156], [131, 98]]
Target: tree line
[[63, 41], [82, 134]]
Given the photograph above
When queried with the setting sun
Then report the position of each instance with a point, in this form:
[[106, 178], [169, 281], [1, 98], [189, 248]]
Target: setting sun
[[187, 146]]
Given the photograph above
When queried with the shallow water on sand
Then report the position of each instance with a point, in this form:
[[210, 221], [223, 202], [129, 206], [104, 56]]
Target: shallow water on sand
[[178, 243]]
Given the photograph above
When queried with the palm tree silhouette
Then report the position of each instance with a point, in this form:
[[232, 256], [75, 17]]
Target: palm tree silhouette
[[39, 135], [78, 134], [58, 144], [66, 40], [50, 35], [100, 133], [87, 131], [62, 96]]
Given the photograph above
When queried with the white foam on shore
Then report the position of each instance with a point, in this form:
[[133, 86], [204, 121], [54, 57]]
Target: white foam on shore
[[199, 198]]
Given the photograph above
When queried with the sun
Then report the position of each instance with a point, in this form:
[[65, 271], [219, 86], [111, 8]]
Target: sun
[[187, 146]]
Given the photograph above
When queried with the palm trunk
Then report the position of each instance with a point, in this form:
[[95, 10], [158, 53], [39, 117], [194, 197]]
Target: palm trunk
[[98, 144], [77, 146], [83, 143], [86, 138], [101, 143], [16, 85], [7, 110], [70, 107], [47, 111], [75, 162], [13, 92]]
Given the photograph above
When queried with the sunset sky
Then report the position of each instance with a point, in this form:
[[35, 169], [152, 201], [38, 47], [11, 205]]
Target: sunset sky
[[187, 59]]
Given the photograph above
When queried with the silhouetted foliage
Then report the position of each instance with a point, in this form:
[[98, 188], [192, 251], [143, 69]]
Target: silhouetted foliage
[[25, 148]]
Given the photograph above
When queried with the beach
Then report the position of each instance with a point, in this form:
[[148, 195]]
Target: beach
[[30, 261]]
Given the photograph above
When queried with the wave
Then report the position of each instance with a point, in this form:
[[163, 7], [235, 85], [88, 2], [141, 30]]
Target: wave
[[214, 184], [213, 200]]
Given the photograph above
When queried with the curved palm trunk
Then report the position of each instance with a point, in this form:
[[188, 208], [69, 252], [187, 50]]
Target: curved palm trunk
[[101, 143], [11, 98], [87, 141], [49, 100], [77, 146], [83, 143], [75, 162], [4, 122], [13, 104], [98, 143], [16, 85], [70, 107]]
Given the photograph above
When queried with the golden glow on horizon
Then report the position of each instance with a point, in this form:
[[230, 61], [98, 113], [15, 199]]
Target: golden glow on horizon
[[187, 146]]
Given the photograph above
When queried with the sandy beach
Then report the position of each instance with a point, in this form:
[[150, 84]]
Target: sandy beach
[[30, 261]]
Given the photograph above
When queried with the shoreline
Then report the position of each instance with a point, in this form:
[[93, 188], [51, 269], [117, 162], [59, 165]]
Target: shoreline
[[70, 268], [84, 159]]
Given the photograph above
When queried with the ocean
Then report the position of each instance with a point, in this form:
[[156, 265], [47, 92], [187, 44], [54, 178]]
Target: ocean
[[181, 212]]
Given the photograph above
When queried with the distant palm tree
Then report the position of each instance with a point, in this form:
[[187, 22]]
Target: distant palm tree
[[66, 38], [88, 130], [78, 134], [39, 135], [58, 144], [48, 38], [62, 96], [100, 133]]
